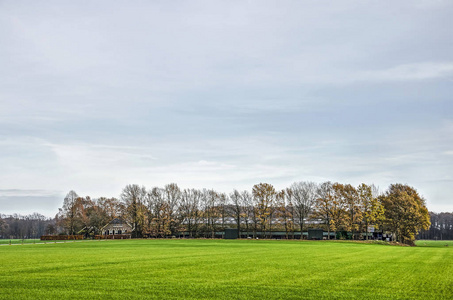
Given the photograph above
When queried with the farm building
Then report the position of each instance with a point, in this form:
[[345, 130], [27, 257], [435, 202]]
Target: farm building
[[315, 234], [117, 227], [232, 234]]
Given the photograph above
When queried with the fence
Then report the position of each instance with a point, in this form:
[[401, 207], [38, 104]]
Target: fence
[[61, 237]]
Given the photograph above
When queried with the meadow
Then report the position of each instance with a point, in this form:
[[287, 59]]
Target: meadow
[[225, 269]]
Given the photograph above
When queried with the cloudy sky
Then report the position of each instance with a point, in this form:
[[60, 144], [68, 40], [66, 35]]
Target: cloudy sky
[[95, 95]]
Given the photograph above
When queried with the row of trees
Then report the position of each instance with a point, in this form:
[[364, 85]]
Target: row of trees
[[86, 214], [167, 211], [29, 226], [441, 227]]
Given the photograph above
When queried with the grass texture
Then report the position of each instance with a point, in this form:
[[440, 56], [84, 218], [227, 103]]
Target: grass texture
[[225, 269]]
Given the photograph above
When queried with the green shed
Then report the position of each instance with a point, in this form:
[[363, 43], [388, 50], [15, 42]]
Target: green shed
[[315, 234], [231, 234]]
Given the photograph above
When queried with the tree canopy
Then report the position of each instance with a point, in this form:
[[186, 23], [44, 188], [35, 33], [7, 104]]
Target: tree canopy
[[342, 208], [405, 212]]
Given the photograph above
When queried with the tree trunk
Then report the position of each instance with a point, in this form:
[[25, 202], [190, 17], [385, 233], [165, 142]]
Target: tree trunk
[[328, 229], [302, 229], [239, 226], [366, 230]]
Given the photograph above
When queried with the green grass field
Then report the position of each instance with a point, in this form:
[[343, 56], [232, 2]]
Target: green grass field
[[429, 243], [225, 269]]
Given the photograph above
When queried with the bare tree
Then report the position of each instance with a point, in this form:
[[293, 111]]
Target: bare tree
[[222, 209], [211, 211], [249, 214], [303, 197], [173, 198], [159, 213], [68, 213], [133, 196], [3, 228], [285, 212], [237, 209], [189, 208], [111, 207]]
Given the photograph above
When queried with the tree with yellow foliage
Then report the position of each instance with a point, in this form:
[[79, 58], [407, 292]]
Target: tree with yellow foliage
[[405, 212], [264, 197], [371, 208]]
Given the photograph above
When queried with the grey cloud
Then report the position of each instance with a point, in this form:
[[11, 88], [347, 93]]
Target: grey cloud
[[96, 95]]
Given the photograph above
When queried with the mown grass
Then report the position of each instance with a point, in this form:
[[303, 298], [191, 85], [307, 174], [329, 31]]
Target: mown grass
[[224, 269], [430, 243]]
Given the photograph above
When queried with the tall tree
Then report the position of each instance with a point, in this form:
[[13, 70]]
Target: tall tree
[[223, 209], [249, 212], [303, 197], [76, 217], [190, 210], [264, 196], [155, 203], [371, 208], [111, 208], [237, 209], [173, 198], [67, 215], [211, 211], [285, 212], [354, 216], [133, 197], [96, 218], [86, 210], [338, 207], [159, 213], [3, 228], [405, 212], [324, 203]]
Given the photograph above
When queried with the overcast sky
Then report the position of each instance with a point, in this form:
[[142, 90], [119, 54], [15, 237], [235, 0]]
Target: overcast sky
[[95, 95]]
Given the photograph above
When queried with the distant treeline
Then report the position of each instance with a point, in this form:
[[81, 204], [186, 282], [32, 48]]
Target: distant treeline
[[169, 211], [441, 227], [26, 227]]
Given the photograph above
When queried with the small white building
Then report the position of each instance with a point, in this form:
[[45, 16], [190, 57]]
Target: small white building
[[117, 227]]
